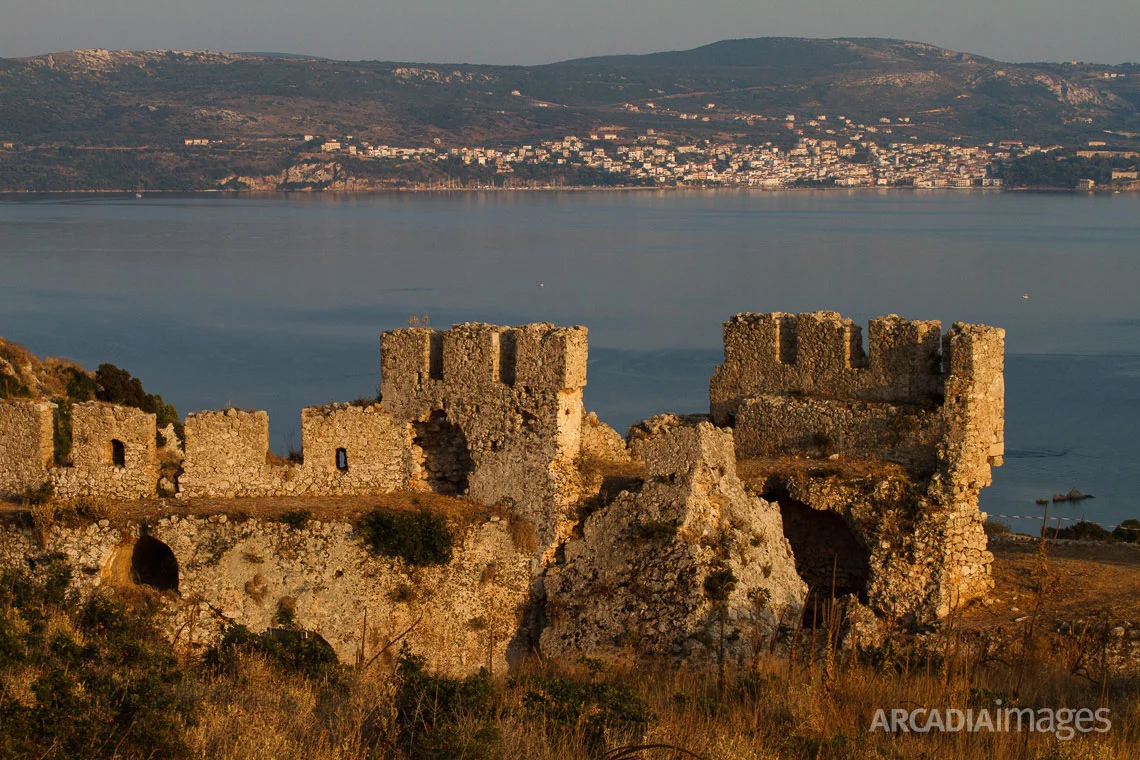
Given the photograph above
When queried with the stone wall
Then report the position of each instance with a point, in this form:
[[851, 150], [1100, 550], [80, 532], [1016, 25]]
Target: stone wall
[[637, 578], [26, 447], [346, 450], [462, 616], [353, 450], [511, 396], [776, 426], [113, 453], [227, 456]]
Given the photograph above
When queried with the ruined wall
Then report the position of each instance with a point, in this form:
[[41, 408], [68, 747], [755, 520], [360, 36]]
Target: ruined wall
[[113, 453], [511, 396], [346, 450], [353, 450], [469, 611], [227, 456], [775, 426], [26, 447], [637, 577], [802, 387]]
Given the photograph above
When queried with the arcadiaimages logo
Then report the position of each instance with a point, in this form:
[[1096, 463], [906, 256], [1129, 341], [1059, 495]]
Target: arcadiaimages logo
[[1064, 723]]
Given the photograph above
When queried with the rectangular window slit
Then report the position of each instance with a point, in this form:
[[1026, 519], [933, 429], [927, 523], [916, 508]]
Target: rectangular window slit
[[342, 460]]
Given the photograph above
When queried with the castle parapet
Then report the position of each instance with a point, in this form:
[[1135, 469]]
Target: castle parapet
[[113, 453], [821, 354], [474, 355], [227, 455]]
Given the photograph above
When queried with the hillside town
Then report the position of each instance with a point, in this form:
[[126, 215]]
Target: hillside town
[[650, 159]]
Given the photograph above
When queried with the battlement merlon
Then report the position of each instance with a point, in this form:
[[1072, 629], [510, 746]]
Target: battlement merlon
[[821, 353], [975, 391], [540, 356]]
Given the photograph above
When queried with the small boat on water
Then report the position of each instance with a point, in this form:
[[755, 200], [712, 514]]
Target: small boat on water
[[1073, 495], [1042, 501]]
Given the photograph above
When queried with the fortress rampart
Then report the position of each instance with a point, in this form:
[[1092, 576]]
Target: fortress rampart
[[858, 468]]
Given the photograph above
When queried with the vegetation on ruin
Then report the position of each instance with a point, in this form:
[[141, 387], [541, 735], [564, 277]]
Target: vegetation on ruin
[[89, 679], [296, 518], [419, 538]]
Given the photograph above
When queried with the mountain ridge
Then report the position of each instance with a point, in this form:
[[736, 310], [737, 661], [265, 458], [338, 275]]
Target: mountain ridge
[[253, 110]]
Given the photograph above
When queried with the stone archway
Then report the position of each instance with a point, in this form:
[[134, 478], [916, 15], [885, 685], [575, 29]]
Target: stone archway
[[154, 564], [446, 458]]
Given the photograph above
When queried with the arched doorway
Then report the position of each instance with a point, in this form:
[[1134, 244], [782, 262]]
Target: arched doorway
[[154, 564]]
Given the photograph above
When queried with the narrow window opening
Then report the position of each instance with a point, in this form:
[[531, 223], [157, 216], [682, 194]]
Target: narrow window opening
[[342, 460], [435, 356], [118, 453], [788, 337], [508, 352]]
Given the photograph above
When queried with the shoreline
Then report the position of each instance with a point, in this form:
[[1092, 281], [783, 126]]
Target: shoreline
[[13, 195]]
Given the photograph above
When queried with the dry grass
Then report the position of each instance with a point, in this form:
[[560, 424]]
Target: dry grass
[[780, 711]]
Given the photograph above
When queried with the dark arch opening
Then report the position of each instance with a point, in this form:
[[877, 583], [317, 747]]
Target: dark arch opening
[[154, 564], [342, 460], [830, 558], [447, 461], [118, 453]]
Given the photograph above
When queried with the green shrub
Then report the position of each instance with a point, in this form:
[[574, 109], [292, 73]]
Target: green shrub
[[440, 718], [291, 650], [296, 518], [80, 386], [1082, 531], [104, 682], [419, 538], [1128, 531], [719, 584], [594, 710]]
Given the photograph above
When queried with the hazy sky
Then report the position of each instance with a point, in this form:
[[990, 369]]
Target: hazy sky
[[540, 31]]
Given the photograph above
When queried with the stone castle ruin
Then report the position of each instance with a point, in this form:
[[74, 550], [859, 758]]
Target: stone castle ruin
[[823, 471]]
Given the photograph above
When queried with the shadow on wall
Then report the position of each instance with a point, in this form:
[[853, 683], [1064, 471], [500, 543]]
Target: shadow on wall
[[447, 461], [830, 558]]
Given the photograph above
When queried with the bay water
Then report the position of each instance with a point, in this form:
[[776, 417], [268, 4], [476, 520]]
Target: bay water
[[277, 302]]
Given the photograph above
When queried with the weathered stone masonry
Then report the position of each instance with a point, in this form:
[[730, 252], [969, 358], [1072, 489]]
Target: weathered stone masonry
[[511, 397]]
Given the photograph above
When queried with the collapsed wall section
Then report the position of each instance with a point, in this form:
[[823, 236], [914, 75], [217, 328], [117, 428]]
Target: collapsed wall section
[[26, 445], [113, 453], [511, 395], [688, 564]]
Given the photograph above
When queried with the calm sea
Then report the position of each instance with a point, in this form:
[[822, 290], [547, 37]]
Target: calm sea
[[277, 302]]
